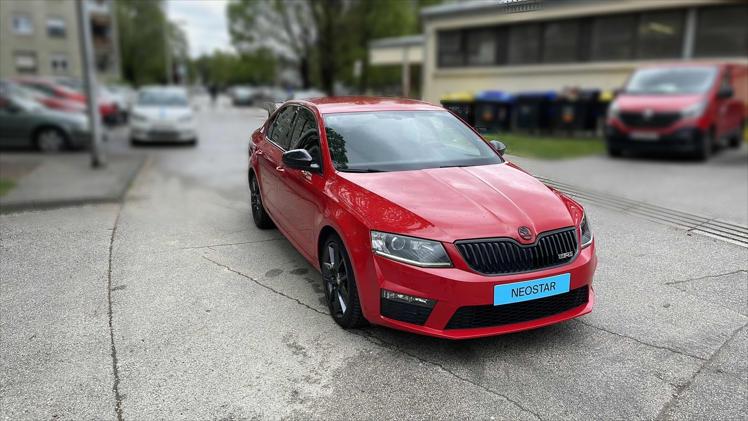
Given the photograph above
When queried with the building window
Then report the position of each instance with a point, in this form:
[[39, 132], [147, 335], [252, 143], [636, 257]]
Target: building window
[[59, 63], [56, 27], [22, 24], [722, 32], [560, 41], [481, 46], [450, 48], [613, 37], [25, 62], [524, 44], [660, 35]]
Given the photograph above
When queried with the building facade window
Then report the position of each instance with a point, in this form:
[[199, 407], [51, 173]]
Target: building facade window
[[58, 62], [722, 32], [660, 35], [560, 41], [481, 46], [613, 37], [25, 62], [524, 44], [22, 24], [450, 48], [56, 27]]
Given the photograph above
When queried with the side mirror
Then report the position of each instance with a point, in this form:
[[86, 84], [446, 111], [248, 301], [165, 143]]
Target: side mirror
[[725, 92], [301, 160], [499, 147]]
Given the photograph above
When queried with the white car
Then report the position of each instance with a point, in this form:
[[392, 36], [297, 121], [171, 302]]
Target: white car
[[162, 114]]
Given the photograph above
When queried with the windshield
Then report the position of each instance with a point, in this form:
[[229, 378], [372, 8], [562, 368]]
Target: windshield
[[403, 140], [162, 98], [674, 80]]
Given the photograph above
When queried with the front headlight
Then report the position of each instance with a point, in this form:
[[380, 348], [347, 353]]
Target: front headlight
[[584, 227], [139, 117], [414, 251], [694, 111], [613, 110]]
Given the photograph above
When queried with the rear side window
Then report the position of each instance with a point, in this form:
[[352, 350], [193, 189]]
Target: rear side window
[[280, 130]]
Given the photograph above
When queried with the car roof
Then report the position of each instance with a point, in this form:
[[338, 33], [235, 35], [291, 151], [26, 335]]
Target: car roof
[[352, 104]]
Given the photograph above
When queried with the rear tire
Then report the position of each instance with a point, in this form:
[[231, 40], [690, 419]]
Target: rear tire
[[259, 214], [339, 282], [50, 140]]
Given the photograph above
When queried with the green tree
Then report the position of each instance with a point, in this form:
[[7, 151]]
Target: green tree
[[141, 40]]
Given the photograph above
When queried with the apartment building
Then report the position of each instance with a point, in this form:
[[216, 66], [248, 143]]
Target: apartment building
[[42, 38]]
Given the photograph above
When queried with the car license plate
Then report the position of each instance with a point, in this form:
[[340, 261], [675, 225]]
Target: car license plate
[[648, 136], [530, 290]]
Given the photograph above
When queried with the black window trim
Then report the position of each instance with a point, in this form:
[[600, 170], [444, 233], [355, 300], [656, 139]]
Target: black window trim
[[319, 134], [275, 116]]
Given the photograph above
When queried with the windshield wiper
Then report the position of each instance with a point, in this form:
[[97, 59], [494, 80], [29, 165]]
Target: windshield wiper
[[358, 170]]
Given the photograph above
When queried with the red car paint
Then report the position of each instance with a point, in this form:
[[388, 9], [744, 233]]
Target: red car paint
[[723, 118], [59, 97], [472, 202]]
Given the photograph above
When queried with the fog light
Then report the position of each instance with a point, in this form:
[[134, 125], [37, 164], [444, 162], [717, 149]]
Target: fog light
[[407, 299]]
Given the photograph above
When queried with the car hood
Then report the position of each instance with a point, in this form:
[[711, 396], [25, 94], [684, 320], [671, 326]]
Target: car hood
[[627, 102], [163, 113], [450, 204]]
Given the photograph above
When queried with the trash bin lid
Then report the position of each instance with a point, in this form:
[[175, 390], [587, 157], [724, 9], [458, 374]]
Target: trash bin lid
[[494, 96], [537, 94], [606, 96], [464, 96]]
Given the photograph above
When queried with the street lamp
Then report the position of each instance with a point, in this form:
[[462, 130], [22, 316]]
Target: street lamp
[[89, 84]]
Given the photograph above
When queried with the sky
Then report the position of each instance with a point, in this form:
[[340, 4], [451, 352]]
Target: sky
[[205, 23]]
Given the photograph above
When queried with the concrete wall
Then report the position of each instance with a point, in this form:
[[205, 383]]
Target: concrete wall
[[39, 42], [601, 75]]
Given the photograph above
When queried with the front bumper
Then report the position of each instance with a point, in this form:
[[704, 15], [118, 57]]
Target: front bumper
[[682, 140], [152, 134], [456, 288]]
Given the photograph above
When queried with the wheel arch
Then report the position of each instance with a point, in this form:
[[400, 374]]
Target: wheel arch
[[47, 126]]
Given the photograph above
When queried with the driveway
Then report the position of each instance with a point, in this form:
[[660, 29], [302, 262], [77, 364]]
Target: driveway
[[173, 305]]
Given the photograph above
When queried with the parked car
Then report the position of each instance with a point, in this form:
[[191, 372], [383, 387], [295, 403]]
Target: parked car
[[242, 96], [162, 114], [416, 222], [26, 123], [308, 94], [689, 108], [67, 97]]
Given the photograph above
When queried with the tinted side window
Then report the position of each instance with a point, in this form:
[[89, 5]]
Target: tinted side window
[[280, 130], [304, 126]]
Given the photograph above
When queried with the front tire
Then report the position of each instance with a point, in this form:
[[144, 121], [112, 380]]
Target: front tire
[[706, 146], [50, 140], [259, 214], [339, 281]]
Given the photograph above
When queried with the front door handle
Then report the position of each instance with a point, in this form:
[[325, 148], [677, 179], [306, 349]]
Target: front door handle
[[259, 152], [280, 169]]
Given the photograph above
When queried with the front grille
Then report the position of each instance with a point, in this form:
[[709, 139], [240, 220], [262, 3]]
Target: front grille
[[500, 256], [653, 121], [404, 312], [490, 315]]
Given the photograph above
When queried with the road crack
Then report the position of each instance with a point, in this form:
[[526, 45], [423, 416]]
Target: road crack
[[392, 347], [647, 344], [113, 348], [267, 287], [679, 390], [735, 272]]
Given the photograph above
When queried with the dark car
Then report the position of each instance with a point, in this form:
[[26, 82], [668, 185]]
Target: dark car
[[26, 123]]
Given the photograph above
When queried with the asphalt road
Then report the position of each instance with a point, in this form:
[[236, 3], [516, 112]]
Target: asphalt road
[[174, 306]]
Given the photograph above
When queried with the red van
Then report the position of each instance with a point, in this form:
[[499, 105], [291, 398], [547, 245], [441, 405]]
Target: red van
[[689, 108]]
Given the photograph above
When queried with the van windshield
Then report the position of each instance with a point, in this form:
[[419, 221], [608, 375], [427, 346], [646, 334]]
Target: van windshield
[[672, 80]]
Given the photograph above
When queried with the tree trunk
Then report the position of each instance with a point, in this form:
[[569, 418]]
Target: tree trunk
[[304, 71]]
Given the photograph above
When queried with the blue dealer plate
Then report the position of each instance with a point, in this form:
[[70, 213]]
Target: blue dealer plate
[[530, 290]]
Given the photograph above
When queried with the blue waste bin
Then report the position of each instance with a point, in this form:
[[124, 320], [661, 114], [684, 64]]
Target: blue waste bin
[[493, 111], [534, 111]]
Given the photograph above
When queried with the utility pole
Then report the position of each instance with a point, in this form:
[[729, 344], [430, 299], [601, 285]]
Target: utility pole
[[89, 83]]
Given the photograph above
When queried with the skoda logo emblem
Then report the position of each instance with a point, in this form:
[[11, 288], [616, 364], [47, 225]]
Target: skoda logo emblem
[[525, 233]]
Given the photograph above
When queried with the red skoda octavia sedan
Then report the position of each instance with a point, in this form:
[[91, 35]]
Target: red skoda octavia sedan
[[416, 222]]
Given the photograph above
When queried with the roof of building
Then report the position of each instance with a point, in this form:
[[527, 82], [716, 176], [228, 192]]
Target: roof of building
[[480, 5], [405, 41]]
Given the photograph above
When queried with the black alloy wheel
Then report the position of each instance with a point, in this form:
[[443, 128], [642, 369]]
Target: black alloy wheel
[[340, 285], [259, 214]]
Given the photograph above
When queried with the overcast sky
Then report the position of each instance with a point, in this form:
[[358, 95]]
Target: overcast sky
[[205, 23]]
